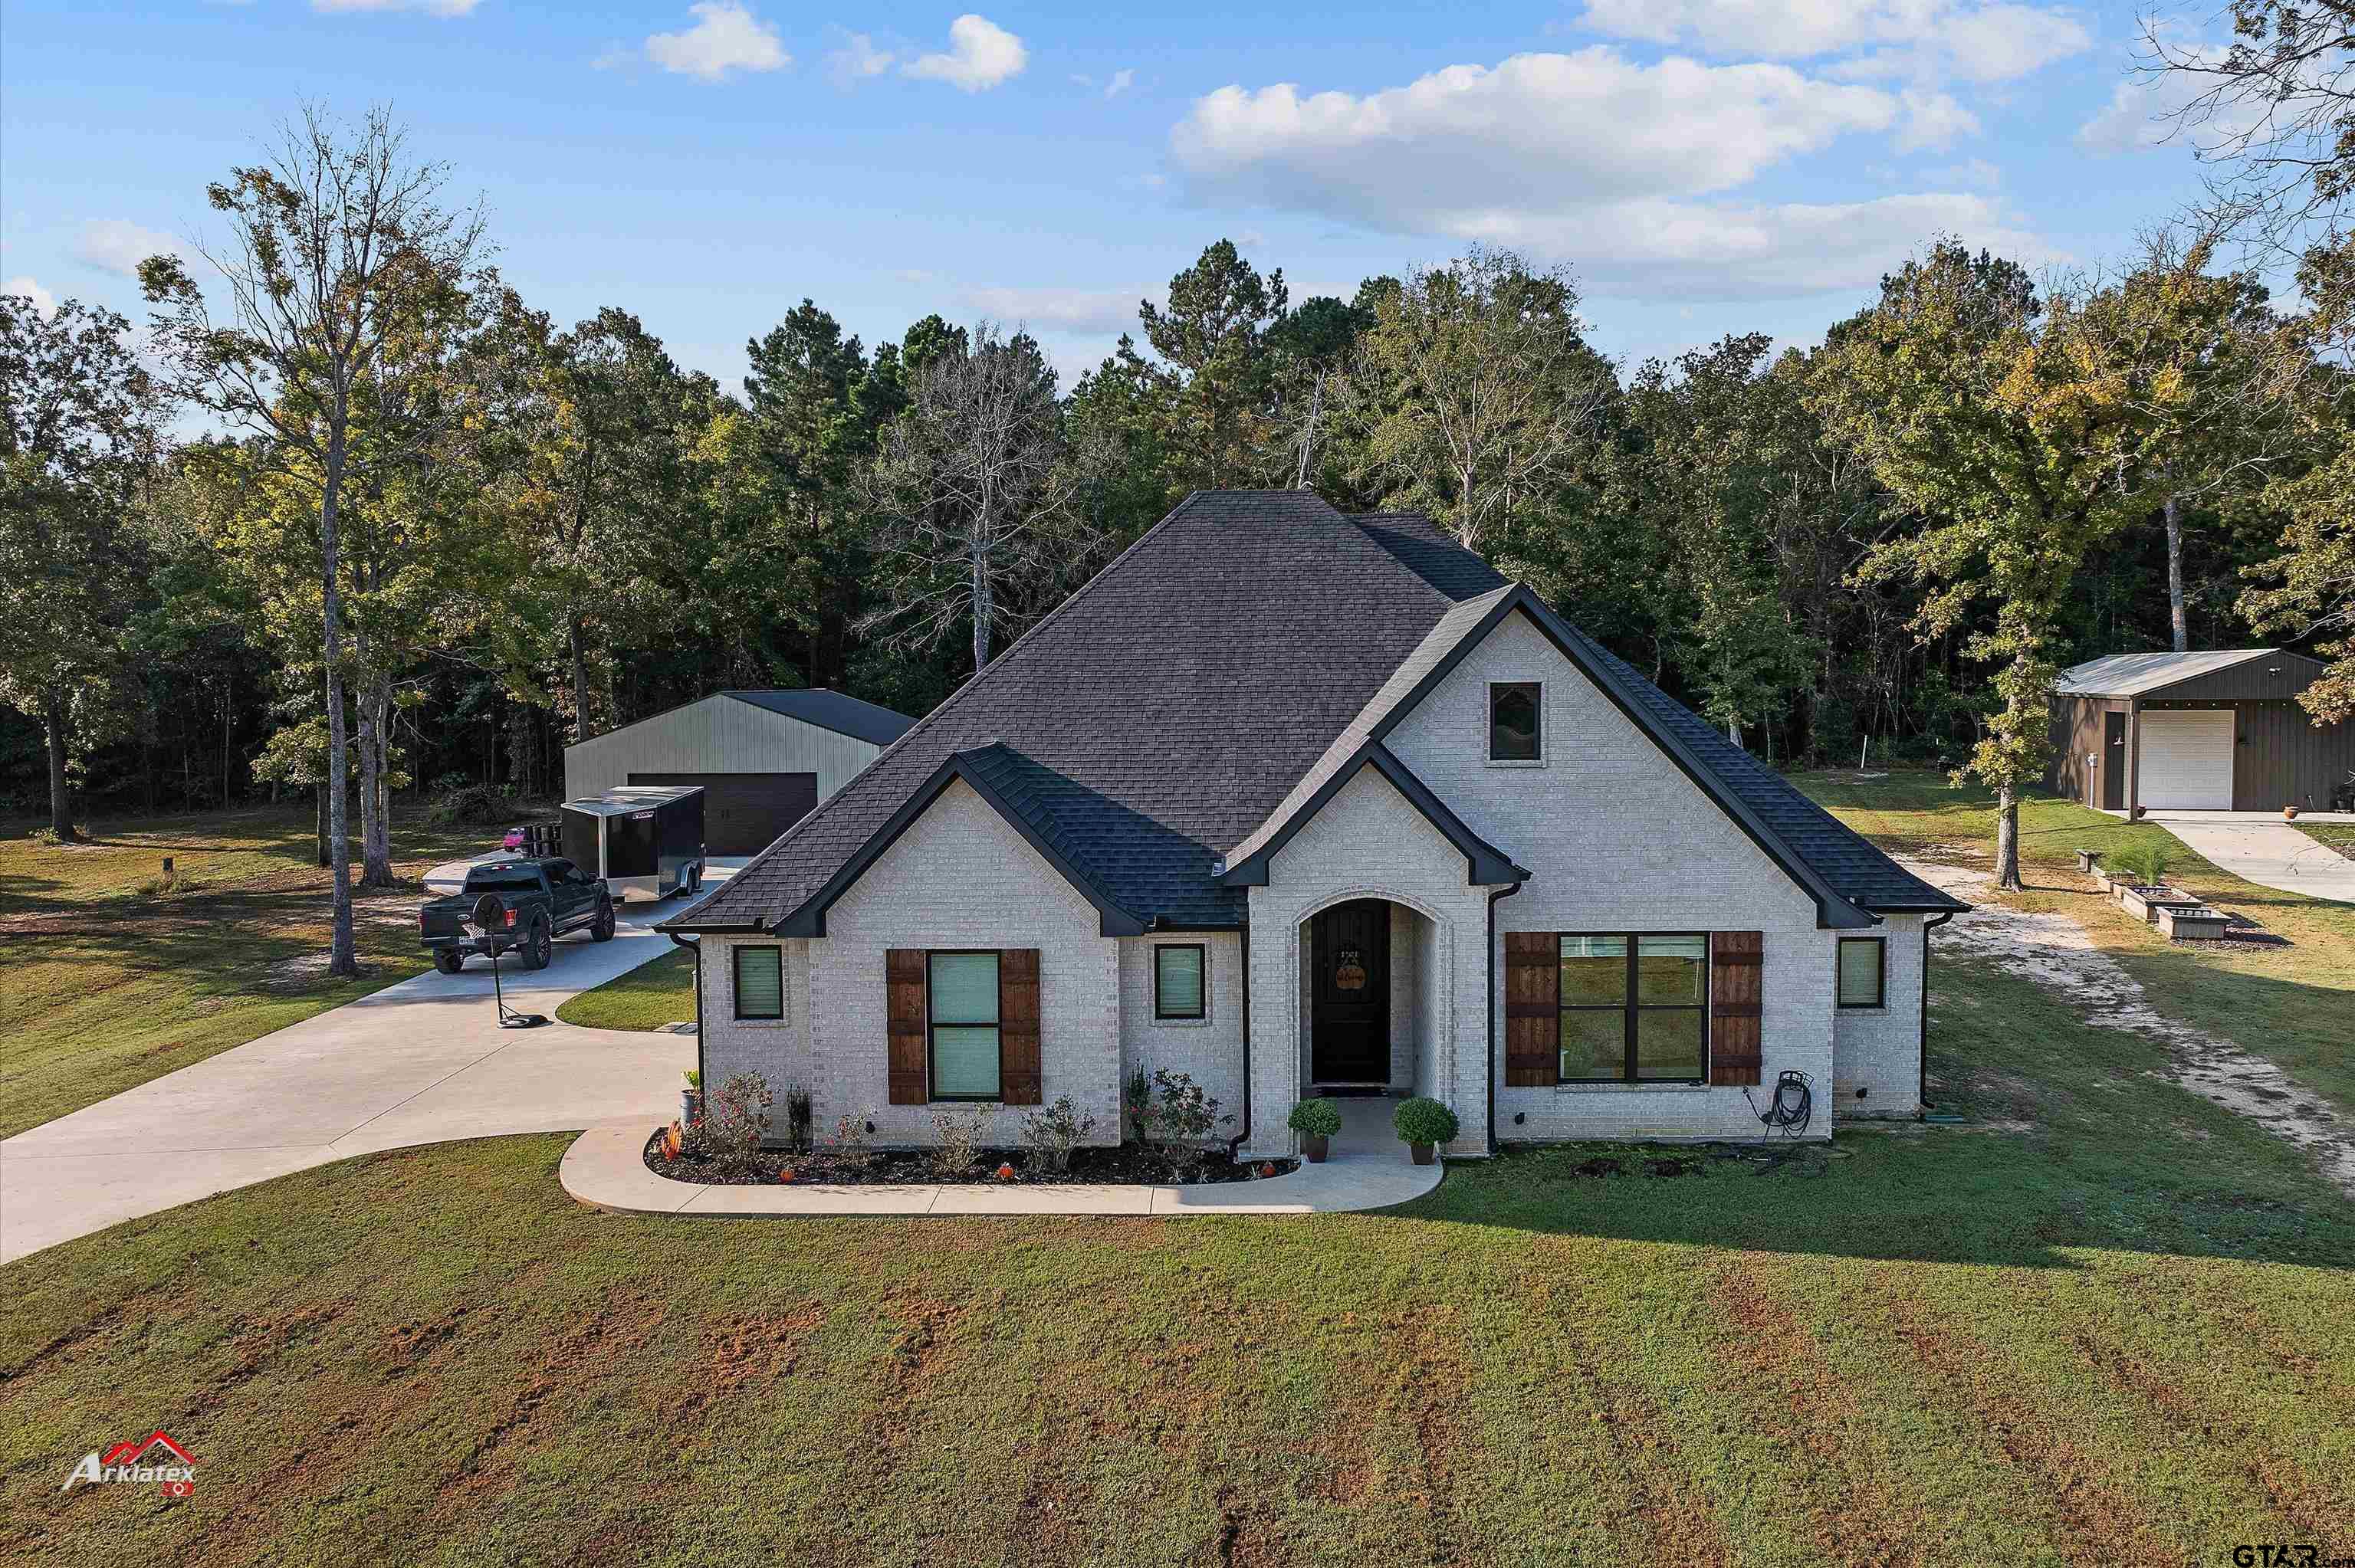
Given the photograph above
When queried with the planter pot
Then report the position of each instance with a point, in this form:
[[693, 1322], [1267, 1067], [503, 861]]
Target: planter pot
[[2191, 924], [1423, 1153], [691, 1107], [1314, 1148], [2289, 814]]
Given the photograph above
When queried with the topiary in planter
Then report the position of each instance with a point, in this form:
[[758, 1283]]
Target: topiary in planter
[[1315, 1121], [1423, 1125]]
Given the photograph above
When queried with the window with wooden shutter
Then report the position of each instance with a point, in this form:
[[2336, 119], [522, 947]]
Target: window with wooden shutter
[[904, 1012], [1737, 974], [1017, 1032], [1533, 1005]]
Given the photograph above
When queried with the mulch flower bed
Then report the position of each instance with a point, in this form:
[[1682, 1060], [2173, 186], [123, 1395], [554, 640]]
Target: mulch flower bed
[[1127, 1166]]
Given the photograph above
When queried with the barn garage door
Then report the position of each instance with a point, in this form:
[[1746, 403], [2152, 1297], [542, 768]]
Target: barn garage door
[[2187, 761], [743, 813]]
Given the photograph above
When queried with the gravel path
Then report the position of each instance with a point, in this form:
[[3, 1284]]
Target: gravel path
[[2058, 954]]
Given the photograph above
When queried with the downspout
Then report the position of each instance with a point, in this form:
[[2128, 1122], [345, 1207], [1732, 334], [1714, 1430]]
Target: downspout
[[1922, 1093], [695, 948], [1244, 1136], [1502, 893]]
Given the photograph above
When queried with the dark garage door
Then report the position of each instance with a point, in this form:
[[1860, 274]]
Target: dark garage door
[[743, 813]]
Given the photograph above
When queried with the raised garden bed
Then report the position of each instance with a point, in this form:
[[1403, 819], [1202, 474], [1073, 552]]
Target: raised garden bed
[[1126, 1166], [2148, 900], [2195, 924]]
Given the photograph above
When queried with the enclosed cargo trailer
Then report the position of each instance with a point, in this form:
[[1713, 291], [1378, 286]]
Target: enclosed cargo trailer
[[641, 840]]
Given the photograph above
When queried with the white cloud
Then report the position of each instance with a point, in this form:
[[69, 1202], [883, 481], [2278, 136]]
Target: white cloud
[[1630, 171], [1103, 310], [431, 8], [1982, 42], [114, 245], [43, 301], [1121, 80], [726, 37], [1580, 127], [2145, 112], [858, 59], [1977, 173], [982, 55]]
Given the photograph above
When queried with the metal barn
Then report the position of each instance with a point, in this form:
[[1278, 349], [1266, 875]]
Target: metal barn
[[763, 758], [2218, 731]]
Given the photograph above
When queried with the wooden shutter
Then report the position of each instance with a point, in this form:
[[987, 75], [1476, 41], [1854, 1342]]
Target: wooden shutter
[[1532, 1009], [1017, 1026], [1737, 967], [903, 1011]]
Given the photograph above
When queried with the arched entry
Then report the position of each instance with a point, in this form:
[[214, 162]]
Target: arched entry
[[1349, 952]]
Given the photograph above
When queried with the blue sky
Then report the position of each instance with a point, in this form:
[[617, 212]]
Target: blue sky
[[1706, 166]]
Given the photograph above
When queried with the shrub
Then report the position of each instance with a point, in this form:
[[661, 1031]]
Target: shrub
[[850, 1142], [1180, 1120], [2146, 862], [1136, 1106], [1316, 1118], [1424, 1121], [959, 1141], [1051, 1133], [476, 805], [799, 1133], [736, 1123]]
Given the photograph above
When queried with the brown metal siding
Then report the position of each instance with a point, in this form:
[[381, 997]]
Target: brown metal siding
[[2277, 675], [2279, 757], [2077, 734]]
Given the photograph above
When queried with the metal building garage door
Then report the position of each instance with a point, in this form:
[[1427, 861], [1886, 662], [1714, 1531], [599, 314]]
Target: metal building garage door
[[2186, 760], [744, 814]]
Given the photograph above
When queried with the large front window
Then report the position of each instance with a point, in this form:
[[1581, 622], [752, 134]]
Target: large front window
[[1635, 1008], [963, 1026]]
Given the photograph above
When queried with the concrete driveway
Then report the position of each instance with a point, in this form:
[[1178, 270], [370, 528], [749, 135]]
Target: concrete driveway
[[420, 1061], [2264, 849]]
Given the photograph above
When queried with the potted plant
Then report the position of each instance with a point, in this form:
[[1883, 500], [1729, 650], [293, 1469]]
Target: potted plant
[[2289, 814], [690, 1098], [1315, 1121], [1423, 1125]]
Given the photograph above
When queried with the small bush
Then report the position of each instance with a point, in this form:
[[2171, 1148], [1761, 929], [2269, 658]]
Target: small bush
[[850, 1142], [800, 1134], [1180, 1120], [1136, 1105], [1316, 1118], [2145, 861], [1424, 1121], [958, 1143], [736, 1123], [476, 805], [1052, 1132]]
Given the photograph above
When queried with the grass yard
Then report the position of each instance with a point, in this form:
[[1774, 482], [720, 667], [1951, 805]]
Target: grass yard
[[2293, 1004], [647, 997], [112, 981], [2339, 836], [2106, 1320]]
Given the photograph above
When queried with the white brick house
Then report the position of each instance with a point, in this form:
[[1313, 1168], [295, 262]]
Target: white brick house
[[1288, 802]]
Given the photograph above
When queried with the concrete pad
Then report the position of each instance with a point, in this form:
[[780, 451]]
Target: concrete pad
[[2266, 850]]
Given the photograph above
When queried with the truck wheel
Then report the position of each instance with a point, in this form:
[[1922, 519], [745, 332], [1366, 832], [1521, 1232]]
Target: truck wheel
[[537, 946], [449, 960], [601, 928]]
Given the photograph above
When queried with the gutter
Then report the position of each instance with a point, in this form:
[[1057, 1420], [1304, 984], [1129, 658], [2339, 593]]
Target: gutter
[[1494, 898], [1922, 1092], [1244, 1135], [695, 948]]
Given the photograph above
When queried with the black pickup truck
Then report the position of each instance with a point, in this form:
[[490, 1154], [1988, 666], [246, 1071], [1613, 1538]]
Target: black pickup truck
[[540, 900]]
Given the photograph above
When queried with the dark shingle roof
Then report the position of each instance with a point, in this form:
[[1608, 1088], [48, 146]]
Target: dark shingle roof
[[1161, 715], [833, 710]]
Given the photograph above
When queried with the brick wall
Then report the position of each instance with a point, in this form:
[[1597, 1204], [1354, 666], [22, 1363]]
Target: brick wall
[[1877, 1050]]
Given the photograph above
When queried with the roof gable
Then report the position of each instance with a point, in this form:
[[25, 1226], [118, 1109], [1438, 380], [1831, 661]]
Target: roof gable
[[1484, 865]]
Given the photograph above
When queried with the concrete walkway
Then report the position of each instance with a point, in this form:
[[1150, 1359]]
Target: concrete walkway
[[420, 1061], [2266, 850], [606, 1169]]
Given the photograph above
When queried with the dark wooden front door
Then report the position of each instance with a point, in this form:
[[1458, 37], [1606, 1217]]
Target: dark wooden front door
[[1349, 991], [2114, 762]]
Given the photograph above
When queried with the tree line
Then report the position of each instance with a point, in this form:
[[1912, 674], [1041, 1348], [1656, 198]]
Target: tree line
[[429, 534]]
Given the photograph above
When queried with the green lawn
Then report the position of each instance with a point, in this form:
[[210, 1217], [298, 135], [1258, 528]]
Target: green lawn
[[647, 997], [109, 984], [2105, 1321], [2339, 836], [2291, 1003]]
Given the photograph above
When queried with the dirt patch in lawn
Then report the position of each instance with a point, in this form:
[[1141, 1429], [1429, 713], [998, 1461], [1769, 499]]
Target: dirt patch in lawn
[[2060, 954]]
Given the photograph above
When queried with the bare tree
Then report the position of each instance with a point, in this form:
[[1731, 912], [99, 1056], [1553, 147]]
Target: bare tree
[[340, 260], [975, 486], [1476, 389]]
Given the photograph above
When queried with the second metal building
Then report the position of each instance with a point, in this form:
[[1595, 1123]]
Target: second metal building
[[2217, 731]]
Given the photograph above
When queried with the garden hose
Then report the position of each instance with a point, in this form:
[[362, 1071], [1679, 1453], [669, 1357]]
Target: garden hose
[[1792, 1107]]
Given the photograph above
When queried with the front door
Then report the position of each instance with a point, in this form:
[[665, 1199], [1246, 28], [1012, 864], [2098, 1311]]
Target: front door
[[1349, 1022], [2114, 762]]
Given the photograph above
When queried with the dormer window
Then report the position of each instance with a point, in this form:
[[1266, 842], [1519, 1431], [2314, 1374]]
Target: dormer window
[[1514, 720]]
